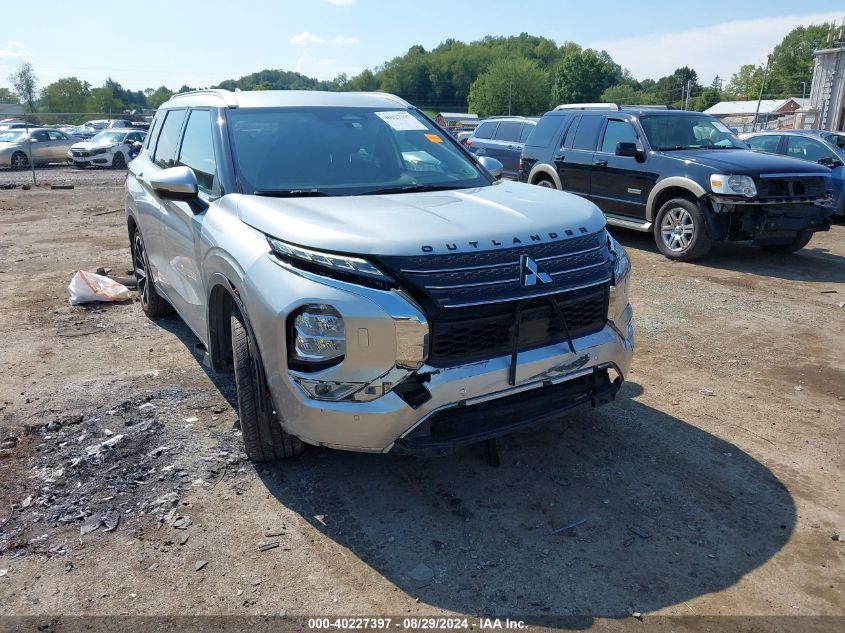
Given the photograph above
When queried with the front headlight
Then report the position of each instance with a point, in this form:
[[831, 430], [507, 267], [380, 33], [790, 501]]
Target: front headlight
[[343, 267], [318, 334], [733, 185]]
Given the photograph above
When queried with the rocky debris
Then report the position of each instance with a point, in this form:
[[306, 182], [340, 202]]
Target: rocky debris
[[9, 442], [200, 564], [81, 472]]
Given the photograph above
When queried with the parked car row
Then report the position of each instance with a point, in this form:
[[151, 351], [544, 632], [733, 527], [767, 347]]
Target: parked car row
[[683, 176], [22, 147]]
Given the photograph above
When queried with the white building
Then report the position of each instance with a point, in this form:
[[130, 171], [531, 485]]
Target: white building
[[826, 110], [769, 113]]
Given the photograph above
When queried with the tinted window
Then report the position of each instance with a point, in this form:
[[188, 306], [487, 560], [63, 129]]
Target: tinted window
[[486, 129], [544, 133], [570, 133], [807, 148], [617, 132], [836, 139], [168, 140], [767, 143], [198, 149], [526, 132], [41, 135], [508, 131], [588, 132], [153, 135]]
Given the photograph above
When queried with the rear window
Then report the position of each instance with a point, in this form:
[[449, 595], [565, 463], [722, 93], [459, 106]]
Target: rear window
[[526, 132], [508, 131], [588, 132], [486, 129], [547, 131]]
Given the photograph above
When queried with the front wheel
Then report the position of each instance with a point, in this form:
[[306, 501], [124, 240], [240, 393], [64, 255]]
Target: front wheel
[[264, 439], [20, 160], [118, 162], [802, 238], [680, 232]]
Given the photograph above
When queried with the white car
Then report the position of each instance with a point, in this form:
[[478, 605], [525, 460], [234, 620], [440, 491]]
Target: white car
[[109, 148]]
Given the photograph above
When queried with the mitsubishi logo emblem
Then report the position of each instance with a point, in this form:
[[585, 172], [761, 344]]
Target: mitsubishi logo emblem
[[530, 273]]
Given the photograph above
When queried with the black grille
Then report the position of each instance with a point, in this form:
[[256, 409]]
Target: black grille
[[792, 187], [467, 336], [493, 276]]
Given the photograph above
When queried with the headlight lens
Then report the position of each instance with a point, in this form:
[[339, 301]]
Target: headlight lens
[[318, 334], [343, 267], [733, 185], [617, 305]]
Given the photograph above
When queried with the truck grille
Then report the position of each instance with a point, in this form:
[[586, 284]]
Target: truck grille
[[470, 299], [468, 337], [791, 187]]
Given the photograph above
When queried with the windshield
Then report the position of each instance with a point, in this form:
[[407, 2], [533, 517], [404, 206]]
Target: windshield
[[12, 136], [688, 131], [106, 138], [343, 151]]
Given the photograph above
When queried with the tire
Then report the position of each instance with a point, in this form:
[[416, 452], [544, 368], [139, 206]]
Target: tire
[[680, 231], [545, 183], [264, 439], [119, 161], [153, 305], [19, 161], [802, 238]]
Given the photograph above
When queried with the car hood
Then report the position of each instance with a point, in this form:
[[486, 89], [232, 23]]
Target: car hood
[[503, 215], [90, 145], [746, 162]]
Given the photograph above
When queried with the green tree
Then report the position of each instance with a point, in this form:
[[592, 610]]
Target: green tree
[[7, 96], [24, 83], [584, 76], [159, 96], [510, 86], [69, 94], [102, 100], [745, 83], [792, 60]]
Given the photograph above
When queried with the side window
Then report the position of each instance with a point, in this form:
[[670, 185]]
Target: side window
[[168, 139], [570, 133], [153, 134], [41, 135], [768, 143], [617, 131], [527, 128], [486, 129], [56, 136], [508, 131], [588, 132], [198, 149], [807, 148]]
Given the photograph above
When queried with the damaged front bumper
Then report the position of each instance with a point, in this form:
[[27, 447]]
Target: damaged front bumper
[[767, 221]]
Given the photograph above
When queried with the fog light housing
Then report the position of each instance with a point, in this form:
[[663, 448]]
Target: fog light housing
[[317, 337]]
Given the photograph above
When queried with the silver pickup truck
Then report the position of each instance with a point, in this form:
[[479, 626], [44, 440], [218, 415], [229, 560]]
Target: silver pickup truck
[[372, 285]]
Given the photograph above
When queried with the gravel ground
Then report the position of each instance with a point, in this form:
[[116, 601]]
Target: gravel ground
[[712, 486]]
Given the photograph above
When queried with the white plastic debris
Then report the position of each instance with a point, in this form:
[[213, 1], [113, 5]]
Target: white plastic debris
[[86, 287]]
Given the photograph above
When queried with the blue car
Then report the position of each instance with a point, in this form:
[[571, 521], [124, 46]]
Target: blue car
[[502, 138], [818, 146]]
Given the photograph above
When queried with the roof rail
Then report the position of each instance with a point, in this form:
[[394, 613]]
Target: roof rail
[[227, 96], [648, 107], [587, 106], [506, 116]]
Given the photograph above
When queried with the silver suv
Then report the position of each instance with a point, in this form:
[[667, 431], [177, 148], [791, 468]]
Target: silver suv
[[371, 284]]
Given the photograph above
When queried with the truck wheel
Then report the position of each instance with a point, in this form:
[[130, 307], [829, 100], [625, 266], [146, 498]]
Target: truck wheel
[[801, 240], [545, 182], [680, 232], [152, 303], [264, 439]]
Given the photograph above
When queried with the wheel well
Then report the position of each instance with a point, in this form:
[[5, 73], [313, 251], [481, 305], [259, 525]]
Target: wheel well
[[220, 305], [667, 194], [541, 176], [132, 226]]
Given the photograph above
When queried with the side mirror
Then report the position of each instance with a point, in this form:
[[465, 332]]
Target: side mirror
[[137, 146], [176, 183], [492, 165], [629, 149]]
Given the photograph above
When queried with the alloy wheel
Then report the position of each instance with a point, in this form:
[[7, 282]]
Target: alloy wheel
[[141, 269], [677, 229]]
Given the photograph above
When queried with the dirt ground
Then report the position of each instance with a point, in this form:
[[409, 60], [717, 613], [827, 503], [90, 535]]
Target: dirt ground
[[713, 485]]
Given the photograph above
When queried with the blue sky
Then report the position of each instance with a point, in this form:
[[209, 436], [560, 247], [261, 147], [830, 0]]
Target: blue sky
[[200, 42]]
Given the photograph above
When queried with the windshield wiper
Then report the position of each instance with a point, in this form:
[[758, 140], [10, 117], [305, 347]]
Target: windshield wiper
[[409, 189], [289, 193]]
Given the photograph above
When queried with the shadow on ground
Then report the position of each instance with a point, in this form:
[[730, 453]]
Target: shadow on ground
[[670, 513], [813, 263]]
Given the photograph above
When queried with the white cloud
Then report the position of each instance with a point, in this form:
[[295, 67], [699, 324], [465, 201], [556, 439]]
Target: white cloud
[[713, 50], [13, 50], [345, 39], [341, 3], [323, 68], [306, 38]]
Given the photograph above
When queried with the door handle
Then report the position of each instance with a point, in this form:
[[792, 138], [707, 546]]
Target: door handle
[[559, 156], [600, 162], [512, 147]]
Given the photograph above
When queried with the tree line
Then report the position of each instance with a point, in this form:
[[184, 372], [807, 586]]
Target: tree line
[[520, 75]]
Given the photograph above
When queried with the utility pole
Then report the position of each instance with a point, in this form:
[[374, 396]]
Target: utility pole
[[760, 98], [689, 89], [510, 91], [803, 92]]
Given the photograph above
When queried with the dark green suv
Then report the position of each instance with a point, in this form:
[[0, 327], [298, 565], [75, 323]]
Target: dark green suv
[[682, 175]]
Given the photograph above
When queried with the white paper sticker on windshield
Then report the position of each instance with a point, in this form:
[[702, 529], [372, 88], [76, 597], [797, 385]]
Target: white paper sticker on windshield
[[401, 120], [721, 127]]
